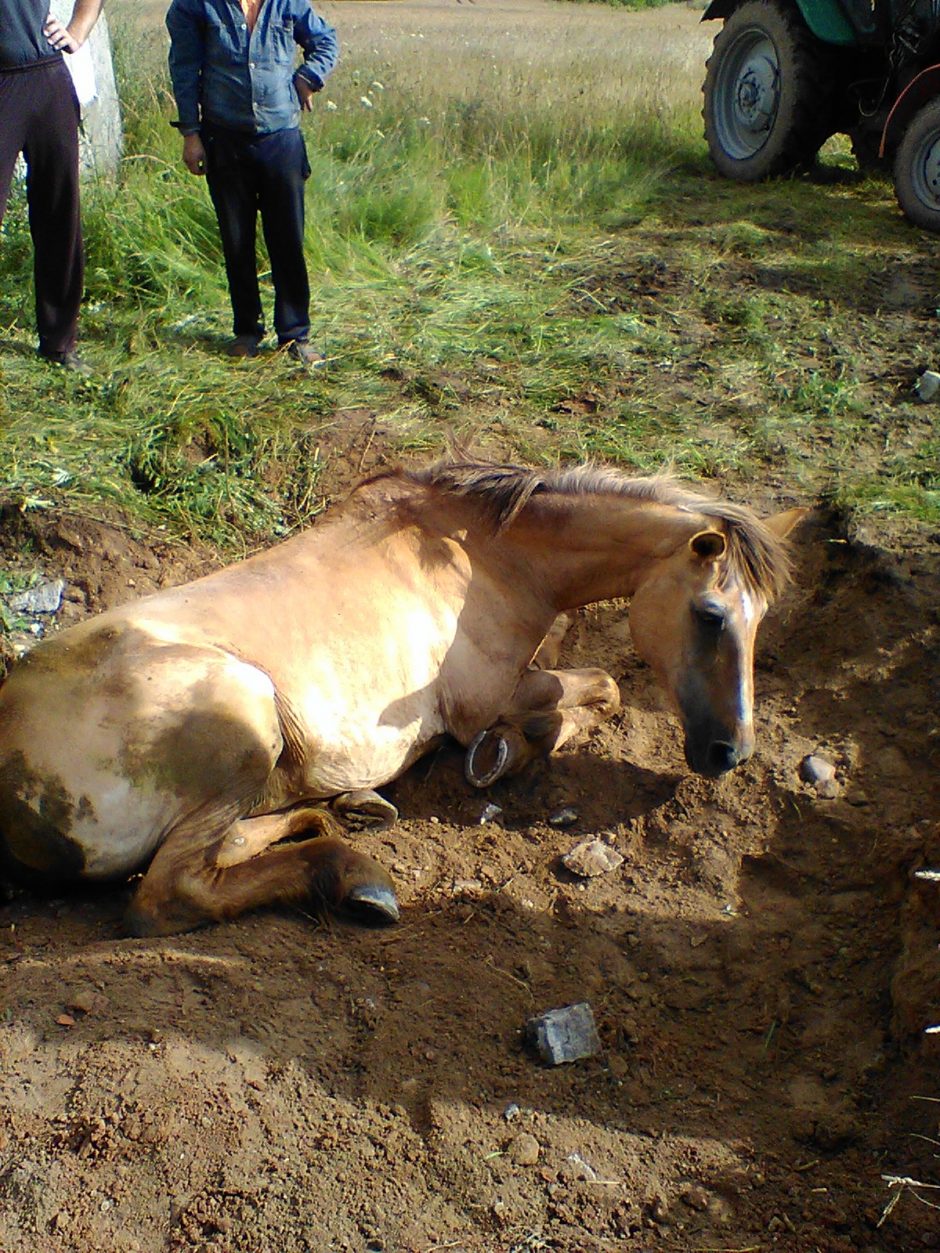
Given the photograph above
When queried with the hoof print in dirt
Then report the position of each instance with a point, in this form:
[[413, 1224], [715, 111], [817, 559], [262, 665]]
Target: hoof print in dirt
[[564, 1035]]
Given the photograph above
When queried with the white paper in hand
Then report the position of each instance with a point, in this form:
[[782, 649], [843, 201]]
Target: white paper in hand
[[82, 69]]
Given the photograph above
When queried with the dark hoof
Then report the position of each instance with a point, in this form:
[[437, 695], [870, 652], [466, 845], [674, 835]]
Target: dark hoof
[[364, 810], [372, 903]]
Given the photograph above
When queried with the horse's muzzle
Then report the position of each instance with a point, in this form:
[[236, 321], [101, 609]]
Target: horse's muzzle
[[713, 757]]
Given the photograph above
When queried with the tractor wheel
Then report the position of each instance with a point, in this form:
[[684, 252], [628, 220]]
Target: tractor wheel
[[917, 169], [767, 95]]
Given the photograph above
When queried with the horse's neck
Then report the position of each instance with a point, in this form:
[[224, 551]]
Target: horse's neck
[[588, 548]]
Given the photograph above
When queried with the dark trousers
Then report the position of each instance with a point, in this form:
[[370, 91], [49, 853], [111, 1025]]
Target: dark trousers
[[248, 174], [39, 117]]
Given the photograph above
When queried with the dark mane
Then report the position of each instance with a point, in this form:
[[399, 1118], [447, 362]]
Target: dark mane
[[754, 553]]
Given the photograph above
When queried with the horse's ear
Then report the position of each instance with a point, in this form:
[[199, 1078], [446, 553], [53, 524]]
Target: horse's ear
[[708, 545], [783, 523]]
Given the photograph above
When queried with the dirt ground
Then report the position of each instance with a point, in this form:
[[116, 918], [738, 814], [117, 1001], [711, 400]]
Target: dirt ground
[[761, 968]]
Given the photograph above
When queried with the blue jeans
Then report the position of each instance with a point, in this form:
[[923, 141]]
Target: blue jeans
[[248, 174]]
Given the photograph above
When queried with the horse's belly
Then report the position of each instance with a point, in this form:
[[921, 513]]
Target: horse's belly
[[362, 745]]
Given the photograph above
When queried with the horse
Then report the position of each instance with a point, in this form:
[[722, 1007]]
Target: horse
[[216, 735]]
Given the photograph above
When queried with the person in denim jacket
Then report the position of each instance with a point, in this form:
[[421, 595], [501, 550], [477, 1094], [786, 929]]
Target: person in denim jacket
[[239, 97]]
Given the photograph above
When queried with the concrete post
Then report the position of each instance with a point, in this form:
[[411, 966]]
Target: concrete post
[[102, 133]]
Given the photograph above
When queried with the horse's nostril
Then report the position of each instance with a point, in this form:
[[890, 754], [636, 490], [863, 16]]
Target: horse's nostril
[[722, 756]]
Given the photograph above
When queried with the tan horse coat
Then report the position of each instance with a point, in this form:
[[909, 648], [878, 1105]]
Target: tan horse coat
[[194, 729]]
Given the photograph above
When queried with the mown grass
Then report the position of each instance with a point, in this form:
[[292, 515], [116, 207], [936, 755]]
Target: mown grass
[[527, 252]]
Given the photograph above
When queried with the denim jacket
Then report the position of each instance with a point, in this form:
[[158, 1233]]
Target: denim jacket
[[227, 75]]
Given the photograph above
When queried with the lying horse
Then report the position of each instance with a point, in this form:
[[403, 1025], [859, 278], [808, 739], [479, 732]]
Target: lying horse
[[208, 733]]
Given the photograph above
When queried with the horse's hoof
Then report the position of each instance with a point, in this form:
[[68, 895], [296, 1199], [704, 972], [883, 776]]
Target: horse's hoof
[[364, 810], [476, 773], [372, 903]]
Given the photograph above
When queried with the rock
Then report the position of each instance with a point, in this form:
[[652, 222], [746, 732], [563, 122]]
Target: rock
[[564, 1035], [591, 858], [815, 769], [695, 1196], [489, 812], [927, 386], [563, 817], [43, 598], [87, 1001], [827, 789], [511, 1112], [524, 1150], [659, 1210]]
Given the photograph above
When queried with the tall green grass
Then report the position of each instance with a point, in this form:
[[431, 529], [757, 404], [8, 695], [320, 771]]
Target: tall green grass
[[528, 252]]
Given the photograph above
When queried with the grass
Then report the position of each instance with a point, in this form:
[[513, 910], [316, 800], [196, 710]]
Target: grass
[[528, 252]]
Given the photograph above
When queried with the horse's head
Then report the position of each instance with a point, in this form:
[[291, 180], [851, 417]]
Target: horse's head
[[694, 619]]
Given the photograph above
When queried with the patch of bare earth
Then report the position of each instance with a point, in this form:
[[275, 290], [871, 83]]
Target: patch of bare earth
[[761, 968]]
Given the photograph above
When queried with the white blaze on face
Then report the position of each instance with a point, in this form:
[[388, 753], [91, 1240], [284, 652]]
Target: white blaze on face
[[748, 609], [751, 614]]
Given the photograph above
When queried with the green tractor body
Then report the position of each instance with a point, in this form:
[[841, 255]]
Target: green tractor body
[[785, 75]]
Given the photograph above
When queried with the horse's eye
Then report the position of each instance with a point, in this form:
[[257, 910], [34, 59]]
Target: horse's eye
[[710, 617]]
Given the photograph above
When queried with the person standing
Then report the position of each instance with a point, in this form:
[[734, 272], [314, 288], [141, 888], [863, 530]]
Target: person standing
[[39, 116], [239, 97]]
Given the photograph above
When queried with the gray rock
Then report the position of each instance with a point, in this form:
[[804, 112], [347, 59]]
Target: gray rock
[[563, 817], [815, 769], [591, 858], [564, 1035], [43, 598], [927, 386]]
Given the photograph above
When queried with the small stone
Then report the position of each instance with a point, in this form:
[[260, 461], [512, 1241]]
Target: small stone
[[511, 1112], [927, 386], [815, 769], [659, 1210], [489, 812], [695, 1197], [591, 858], [564, 1035], [563, 817], [524, 1150], [87, 1001]]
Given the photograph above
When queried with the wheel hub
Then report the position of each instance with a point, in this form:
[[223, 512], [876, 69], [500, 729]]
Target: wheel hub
[[756, 101], [929, 180]]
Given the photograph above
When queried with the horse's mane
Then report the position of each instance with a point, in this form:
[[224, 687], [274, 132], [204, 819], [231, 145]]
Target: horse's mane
[[757, 556]]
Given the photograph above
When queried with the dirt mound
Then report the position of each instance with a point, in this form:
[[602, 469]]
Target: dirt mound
[[761, 969]]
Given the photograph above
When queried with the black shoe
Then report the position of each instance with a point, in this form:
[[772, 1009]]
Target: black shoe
[[68, 361], [303, 351]]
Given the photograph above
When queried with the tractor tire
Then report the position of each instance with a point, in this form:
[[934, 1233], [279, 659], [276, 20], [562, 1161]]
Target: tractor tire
[[768, 107], [917, 169]]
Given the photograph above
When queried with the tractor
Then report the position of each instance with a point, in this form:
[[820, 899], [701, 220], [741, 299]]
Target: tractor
[[785, 75]]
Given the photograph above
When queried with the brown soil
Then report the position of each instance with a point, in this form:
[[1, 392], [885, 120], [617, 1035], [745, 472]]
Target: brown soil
[[761, 969]]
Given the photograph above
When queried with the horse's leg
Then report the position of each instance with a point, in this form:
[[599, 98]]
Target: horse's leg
[[548, 707], [192, 882], [548, 652]]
